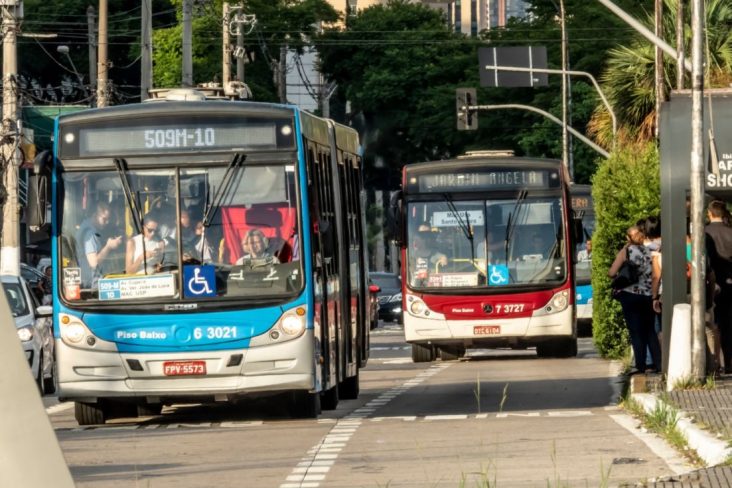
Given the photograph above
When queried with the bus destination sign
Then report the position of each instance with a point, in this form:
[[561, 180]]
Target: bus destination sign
[[161, 135], [498, 179]]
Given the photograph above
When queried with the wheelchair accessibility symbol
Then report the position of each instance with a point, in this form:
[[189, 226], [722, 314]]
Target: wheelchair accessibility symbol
[[200, 281], [497, 274]]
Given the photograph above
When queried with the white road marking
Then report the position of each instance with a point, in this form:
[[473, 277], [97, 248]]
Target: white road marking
[[59, 407], [310, 468]]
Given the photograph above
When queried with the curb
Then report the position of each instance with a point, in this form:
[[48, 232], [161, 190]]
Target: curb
[[710, 449]]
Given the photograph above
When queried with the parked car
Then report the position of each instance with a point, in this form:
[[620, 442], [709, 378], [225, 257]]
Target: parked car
[[39, 283], [34, 325], [390, 296]]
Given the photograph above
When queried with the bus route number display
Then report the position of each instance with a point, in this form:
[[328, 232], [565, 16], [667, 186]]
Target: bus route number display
[[167, 138], [486, 180]]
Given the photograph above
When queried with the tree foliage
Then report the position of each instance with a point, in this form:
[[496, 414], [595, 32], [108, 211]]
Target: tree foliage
[[629, 76], [398, 65], [625, 189]]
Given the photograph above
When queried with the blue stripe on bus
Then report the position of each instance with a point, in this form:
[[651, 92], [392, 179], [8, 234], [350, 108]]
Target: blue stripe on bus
[[583, 294]]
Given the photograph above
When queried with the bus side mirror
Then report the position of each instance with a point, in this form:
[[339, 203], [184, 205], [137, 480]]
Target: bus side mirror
[[38, 194], [396, 217]]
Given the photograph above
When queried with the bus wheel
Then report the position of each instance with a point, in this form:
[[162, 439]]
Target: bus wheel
[[452, 353], [422, 353], [329, 399], [90, 413], [350, 388], [305, 405]]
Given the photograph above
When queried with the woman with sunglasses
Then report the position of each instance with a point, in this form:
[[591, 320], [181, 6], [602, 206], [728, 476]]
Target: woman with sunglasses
[[135, 261]]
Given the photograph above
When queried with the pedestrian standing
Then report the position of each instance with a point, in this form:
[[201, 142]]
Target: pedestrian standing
[[719, 248], [635, 299]]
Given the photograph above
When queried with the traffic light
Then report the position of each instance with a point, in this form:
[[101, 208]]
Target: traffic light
[[466, 119]]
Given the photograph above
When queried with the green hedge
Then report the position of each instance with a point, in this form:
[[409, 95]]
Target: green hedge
[[625, 188]]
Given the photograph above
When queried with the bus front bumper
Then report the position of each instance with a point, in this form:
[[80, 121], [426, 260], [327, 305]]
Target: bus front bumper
[[493, 332], [86, 375]]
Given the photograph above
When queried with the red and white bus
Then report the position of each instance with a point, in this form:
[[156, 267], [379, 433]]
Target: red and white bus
[[487, 256]]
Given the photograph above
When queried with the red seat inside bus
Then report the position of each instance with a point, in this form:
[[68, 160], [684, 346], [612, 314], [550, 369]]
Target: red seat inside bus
[[275, 220]]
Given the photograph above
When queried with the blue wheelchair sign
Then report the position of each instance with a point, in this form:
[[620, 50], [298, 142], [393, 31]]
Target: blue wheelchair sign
[[199, 281], [497, 274]]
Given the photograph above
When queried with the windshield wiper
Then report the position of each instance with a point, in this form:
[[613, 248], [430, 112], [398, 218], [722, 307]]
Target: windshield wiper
[[512, 217], [212, 206], [133, 204], [236, 162], [463, 224]]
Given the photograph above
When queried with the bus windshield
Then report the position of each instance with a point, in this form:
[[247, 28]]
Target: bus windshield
[[486, 243], [181, 234]]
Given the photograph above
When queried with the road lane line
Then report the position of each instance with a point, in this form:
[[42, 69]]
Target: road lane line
[[59, 407], [316, 464]]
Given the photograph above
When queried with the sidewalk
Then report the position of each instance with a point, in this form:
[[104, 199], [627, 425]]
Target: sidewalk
[[705, 421]]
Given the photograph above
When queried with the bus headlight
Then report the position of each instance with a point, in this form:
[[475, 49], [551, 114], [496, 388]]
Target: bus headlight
[[25, 334], [417, 307], [558, 303], [290, 325], [293, 325], [73, 332]]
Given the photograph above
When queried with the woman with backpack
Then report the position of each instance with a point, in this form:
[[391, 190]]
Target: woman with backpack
[[635, 299]]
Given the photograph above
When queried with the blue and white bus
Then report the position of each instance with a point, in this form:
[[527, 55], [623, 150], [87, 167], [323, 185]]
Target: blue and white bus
[[583, 210], [205, 250]]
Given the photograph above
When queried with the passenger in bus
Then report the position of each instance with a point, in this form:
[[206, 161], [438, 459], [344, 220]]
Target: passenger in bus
[[424, 257], [145, 251], [197, 248], [254, 244], [91, 253]]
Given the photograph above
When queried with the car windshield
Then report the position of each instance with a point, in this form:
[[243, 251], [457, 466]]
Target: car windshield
[[16, 299], [386, 281], [485, 243], [184, 234]]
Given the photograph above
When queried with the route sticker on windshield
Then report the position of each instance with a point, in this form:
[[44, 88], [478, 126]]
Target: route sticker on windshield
[[497, 274], [137, 287], [72, 283], [199, 281]]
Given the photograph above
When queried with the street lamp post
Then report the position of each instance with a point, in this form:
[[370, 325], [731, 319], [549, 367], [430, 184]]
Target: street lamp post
[[62, 49]]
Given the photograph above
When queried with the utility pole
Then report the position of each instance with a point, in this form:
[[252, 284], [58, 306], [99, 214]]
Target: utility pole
[[240, 51], [565, 108], [102, 64], [10, 239], [226, 68], [146, 81], [698, 268], [282, 74], [91, 27], [658, 63], [187, 43]]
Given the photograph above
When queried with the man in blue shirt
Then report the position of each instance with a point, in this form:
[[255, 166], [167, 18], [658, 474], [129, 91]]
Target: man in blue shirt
[[89, 249]]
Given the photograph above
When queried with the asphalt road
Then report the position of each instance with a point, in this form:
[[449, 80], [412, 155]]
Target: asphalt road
[[499, 418]]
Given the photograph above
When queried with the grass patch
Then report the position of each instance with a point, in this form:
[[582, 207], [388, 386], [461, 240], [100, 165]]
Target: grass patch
[[663, 421]]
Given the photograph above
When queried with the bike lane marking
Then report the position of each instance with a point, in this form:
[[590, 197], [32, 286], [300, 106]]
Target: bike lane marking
[[315, 465]]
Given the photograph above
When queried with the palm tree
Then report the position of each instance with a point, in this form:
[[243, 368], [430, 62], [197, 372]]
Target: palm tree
[[628, 79]]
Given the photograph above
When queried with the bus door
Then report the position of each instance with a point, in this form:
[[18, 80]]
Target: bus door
[[325, 252]]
